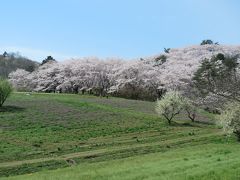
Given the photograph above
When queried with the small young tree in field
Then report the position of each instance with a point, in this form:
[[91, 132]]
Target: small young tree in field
[[170, 105], [230, 119], [190, 109], [5, 90]]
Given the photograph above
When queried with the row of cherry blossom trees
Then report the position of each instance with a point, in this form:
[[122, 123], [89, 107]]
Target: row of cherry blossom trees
[[147, 78], [131, 79]]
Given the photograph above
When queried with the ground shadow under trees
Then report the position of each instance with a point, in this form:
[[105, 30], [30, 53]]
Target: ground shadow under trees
[[11, 109]]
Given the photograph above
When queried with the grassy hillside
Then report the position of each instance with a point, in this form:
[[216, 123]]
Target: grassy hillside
[[108, 139], [204, 162]]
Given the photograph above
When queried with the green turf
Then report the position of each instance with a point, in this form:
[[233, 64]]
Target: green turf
[[209, 162], [108, 139]]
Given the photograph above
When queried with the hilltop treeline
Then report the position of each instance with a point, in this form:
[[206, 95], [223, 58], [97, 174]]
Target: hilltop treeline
[[10, 62]]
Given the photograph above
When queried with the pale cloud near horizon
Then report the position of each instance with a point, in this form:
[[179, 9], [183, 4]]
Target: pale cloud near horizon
[[35, 54]]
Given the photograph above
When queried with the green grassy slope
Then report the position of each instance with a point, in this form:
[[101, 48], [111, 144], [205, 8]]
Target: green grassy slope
[[108, 138], [210, 161]]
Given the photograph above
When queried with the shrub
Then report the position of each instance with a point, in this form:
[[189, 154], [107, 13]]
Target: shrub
[[5, 90], [160, 60], [230, 119], [170, 105]]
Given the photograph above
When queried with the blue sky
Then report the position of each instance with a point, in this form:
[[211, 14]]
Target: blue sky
[[114, 28]]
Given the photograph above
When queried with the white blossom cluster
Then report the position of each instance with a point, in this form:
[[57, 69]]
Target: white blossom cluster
[[183, 62], [134, 78]]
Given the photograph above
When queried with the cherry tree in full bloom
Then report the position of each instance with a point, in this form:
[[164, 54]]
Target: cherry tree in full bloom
[[19, 79]]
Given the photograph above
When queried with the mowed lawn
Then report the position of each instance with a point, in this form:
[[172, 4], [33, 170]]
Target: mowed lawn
[[86, 137]]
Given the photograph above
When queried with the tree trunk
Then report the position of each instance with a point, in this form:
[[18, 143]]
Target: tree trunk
[[169, 121], [192, 117]]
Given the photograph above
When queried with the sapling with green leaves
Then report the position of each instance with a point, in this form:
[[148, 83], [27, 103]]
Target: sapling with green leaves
[[5, 90]]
